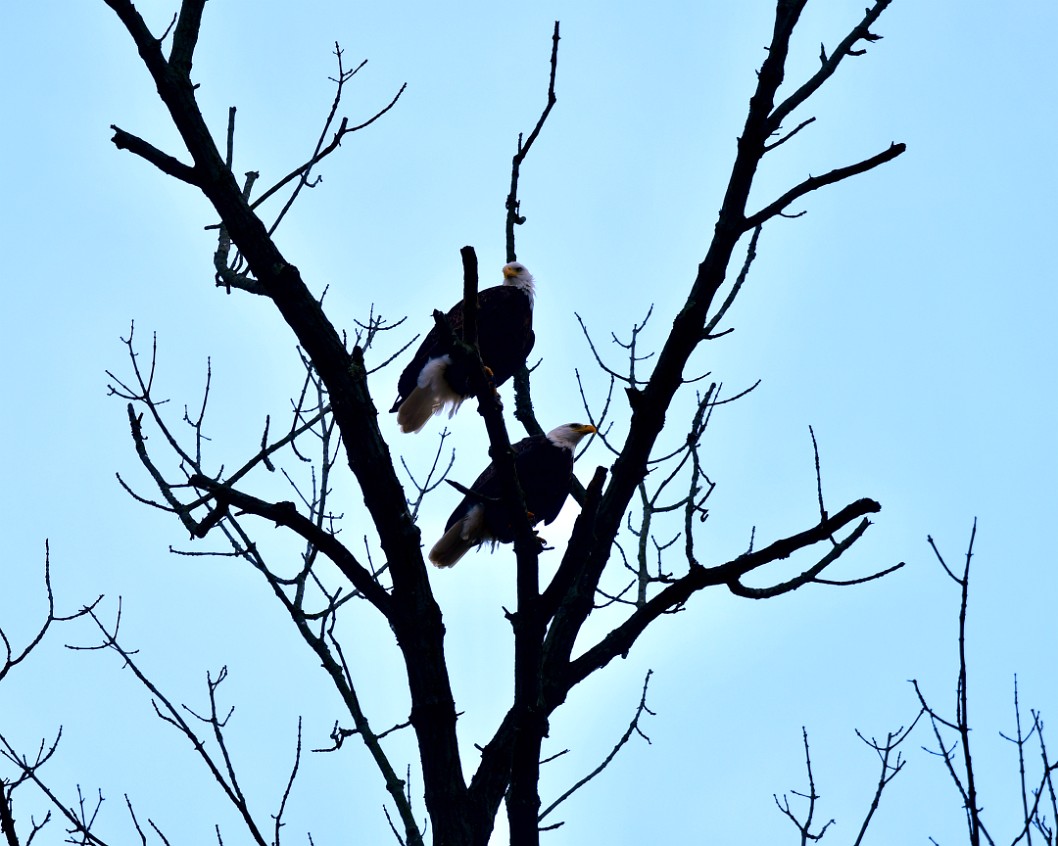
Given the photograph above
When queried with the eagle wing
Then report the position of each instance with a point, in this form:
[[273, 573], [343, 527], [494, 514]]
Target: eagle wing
[[487, 485], [434, 345], [505, 330], [505, 339]]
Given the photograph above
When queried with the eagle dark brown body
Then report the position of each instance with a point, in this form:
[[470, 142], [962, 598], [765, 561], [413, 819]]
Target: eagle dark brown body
[[545, 467], [432, 381]]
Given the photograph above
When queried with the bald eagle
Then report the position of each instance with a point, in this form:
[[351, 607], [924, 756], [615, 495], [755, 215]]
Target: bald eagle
[[505, 337], [545, 466]]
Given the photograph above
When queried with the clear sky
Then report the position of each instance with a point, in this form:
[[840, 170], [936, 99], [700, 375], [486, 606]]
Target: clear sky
[[908, 317]]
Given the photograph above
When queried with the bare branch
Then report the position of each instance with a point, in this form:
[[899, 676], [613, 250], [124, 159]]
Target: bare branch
[[171, 715], [751, 253], [513, 204], [963, 776], [620, 640], [163, 161], [813, 183], [321, 152], [889, 771], [861, 32], [12, 658], [805, 577], [7, 819], [633, 726], [185, 36], [805, 827], [289, 787], [790, 134], [285, 514]]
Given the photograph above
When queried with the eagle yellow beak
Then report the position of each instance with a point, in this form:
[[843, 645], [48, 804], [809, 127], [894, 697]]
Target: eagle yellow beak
[[508, 272]]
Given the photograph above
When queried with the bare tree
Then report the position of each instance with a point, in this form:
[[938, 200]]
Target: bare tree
[[952, 741], [336, 415], [14, 655]]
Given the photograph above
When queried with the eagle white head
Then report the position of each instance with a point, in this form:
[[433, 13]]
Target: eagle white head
[[517, 275], [568, 436]]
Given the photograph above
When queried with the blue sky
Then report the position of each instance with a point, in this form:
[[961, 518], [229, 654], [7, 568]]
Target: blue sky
[[907, 317]]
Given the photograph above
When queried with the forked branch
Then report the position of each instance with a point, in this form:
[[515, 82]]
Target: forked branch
[[286, 514], [828, 65]]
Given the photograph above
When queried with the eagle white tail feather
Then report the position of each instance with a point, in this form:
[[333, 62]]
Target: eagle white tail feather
[[416, 410], [450, 548], [430, 397], [465, 534]]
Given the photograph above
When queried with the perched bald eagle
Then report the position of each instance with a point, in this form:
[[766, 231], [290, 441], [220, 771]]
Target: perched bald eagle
[[545, 466], [505, 337]]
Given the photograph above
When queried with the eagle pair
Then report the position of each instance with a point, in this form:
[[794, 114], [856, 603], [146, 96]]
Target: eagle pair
[[434, 380]]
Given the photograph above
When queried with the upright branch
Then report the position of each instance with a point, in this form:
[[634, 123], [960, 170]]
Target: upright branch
[[679, 484], [185, 36], [13, 656], [7, 819], [470, 296], [513, 204], [523, 800], [522, 395], [805, 826], [962, 775], [1020, 740], [889, 769], [569, 600]]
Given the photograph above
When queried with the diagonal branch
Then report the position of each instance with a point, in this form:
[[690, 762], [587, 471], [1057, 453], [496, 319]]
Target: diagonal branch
[[30, 774], [889, 771], [808, 576], [285, 514], [633, 727], [163, 161], [813, 183], [829, 65], [621, 639]]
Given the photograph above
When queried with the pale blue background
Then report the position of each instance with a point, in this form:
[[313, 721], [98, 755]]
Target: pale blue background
[[908, 317]]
